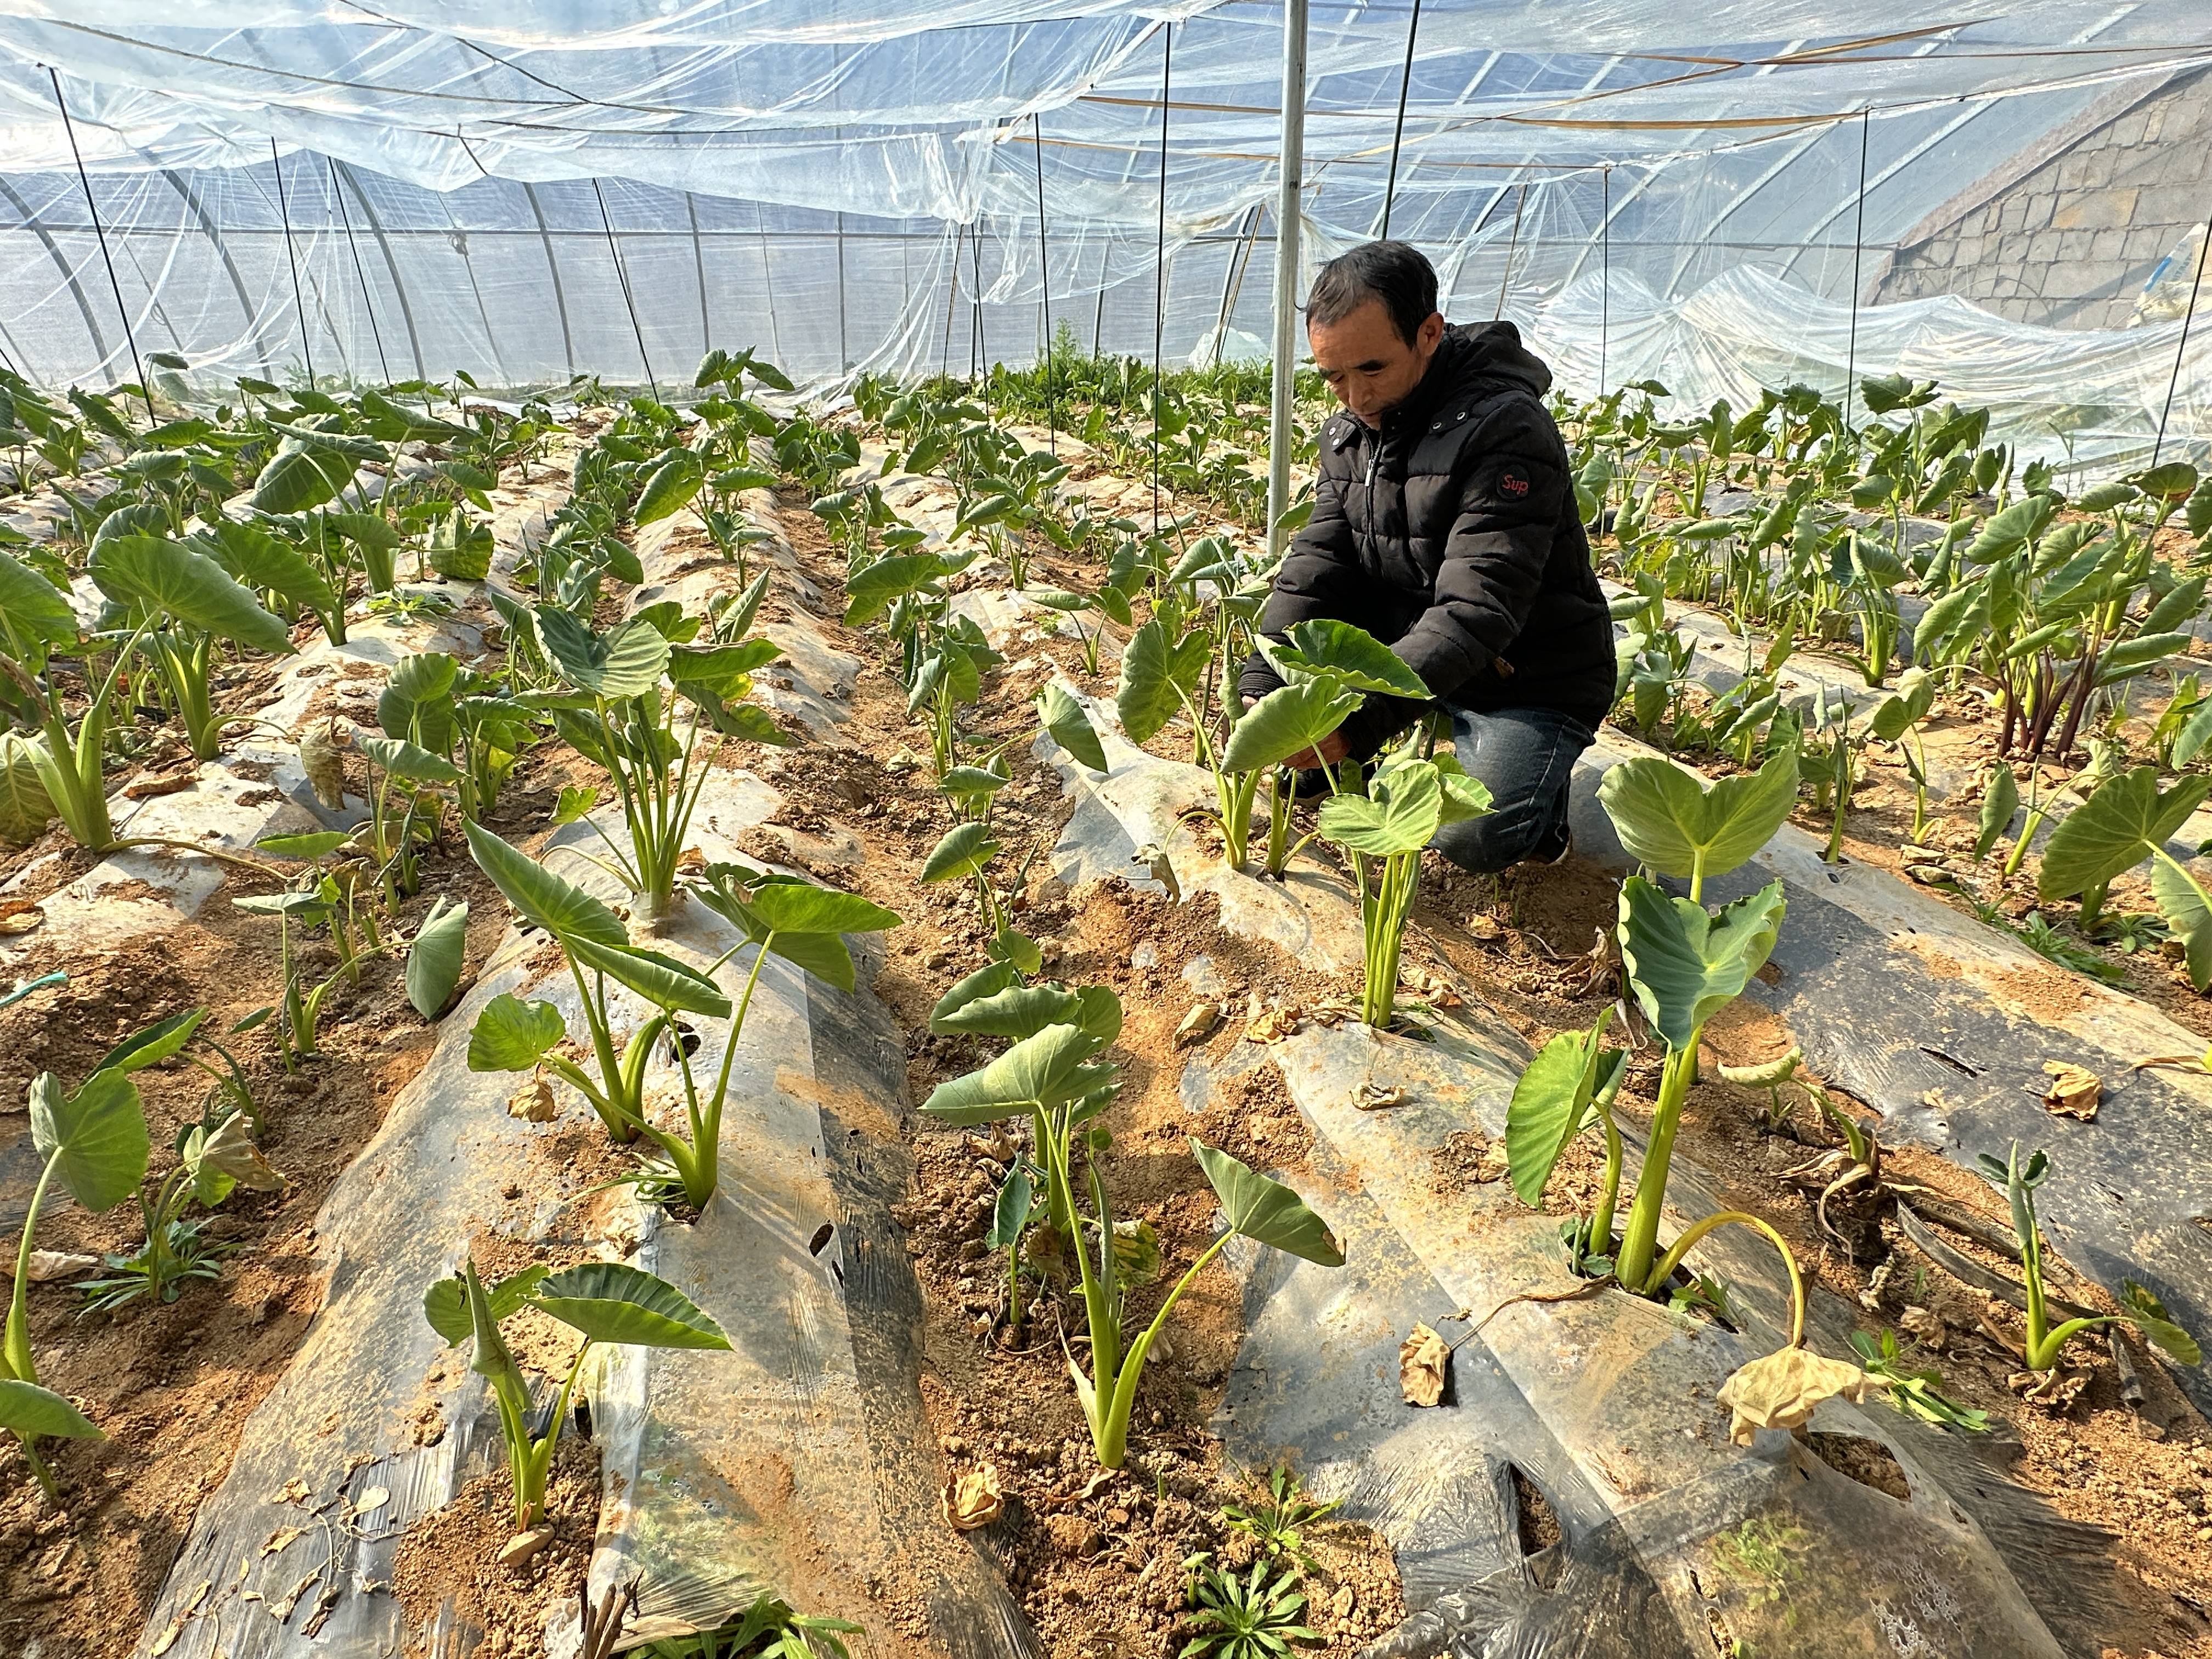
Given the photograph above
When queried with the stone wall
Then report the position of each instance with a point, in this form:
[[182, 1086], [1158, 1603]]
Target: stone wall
[[2070, 241]]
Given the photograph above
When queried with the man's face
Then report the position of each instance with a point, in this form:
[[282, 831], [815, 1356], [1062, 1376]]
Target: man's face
[[1368, 364]]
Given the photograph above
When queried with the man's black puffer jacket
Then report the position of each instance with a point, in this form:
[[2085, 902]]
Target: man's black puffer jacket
[[1452, 536]]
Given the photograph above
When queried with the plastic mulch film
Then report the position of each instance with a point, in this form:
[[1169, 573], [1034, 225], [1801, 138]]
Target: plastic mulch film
[[256, 788], [1943, 1026], [1672, 1540], [799, 1462]]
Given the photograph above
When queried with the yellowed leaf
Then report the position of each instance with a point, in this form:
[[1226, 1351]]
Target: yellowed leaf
[[1783, 1389], [1424, 1365], [1198, 1024], [973, 1499], [1373, 1096], [281, 1540], [533, 1102], [20, 916], [2074, 1092], [375, 1498]]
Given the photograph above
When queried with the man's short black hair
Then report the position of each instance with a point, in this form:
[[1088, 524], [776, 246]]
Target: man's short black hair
[[1396, 273]]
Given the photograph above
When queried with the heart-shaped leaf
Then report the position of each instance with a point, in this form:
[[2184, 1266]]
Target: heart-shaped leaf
[[1551, 1103], [1156, 676], [1288, 721], [510, 1035], [2116, 829], [445, 1304], [1400, 813], [628, 662], [26, 808], [435, 958], [1035, 1074], [33, 612], [1064, 720], [417, 705], [1686, 963], [669, 488], [2152, 1319], [1010, 1211], [32, 1412], [2182, 901], [302, 475], [99, 1133], [411, 761], [1267, 1212], [660, 980], [262, 562], [1677, 824], [613, 1302], [1351, 656], [966, 848], [986, 981], [170, 579], [150, 1045], [540, 897]]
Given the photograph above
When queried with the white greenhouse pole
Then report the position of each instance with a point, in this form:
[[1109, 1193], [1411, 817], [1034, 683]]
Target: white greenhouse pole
[[1280, 436]]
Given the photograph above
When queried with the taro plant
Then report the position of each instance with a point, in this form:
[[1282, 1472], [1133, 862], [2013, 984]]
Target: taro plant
[[93, 1142], [2125, 821], [1383, 833], [1053, 1076], [1684, 964], [216, 1156], [2045, 1342], [1897, 719], [621, 716], [778, 916], [609, 1302]]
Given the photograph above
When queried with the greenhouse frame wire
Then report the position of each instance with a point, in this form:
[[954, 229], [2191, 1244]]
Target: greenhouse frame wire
[[1737, 161]]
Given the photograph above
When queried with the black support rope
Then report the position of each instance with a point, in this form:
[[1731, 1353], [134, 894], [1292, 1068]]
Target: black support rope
[[1160, 262], [1512, 246], [299, 305], [1044, 292], [360, 271], [1858, 245], [621, 276], [1398, 133], [2182, 345], [114, 286]]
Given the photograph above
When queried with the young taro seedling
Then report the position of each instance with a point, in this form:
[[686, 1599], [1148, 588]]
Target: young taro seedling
[[93, 1142], [621, 717], [1052, 1075], [215, 1156], [609, 1302], [778, 916], [2045, 1342], [1383, 833], [1684, 963]]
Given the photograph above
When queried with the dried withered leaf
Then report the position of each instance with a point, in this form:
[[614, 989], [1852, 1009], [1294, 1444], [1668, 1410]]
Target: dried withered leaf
[[20, 916], [1198, 1024], [146, 787], [375, 1498], [1155, 860], [533, 1102], [1424, 1364], [2074, 1090], [320, 759], [230, 1150], [2055, 1390], [46, 1266], [1275, 1023], [1373, 1096], [281, 1540], [1781, 1390], [294, 1490], [973, 1499], [1482, 926]]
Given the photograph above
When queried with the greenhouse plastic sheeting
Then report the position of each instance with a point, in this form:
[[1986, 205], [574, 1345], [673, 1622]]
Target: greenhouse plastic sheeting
[[497, 189], [1673, 1539]]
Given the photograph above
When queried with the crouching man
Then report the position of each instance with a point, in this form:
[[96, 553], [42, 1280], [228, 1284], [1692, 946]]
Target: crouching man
[[1445, 524]]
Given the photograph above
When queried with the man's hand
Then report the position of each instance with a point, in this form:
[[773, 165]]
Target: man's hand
[[1329, 750]]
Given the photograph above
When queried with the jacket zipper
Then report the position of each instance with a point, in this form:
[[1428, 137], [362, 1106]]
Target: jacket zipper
[[1374, 455]]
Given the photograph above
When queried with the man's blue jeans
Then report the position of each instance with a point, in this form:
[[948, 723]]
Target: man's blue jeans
[[1526, 756]]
